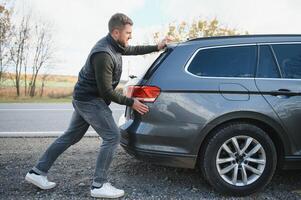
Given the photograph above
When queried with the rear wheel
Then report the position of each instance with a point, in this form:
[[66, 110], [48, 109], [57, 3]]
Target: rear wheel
[[239, 159]]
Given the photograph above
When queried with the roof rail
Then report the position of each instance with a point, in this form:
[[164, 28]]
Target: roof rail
[[245, 36]]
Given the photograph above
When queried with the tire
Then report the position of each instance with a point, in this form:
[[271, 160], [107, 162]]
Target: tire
[[253, 166]]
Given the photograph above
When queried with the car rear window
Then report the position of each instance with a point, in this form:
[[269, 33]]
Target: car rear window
[[267, 67], [157, 63], [238, 61], [289, 59]]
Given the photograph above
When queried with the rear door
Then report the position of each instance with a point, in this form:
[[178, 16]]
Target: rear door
[[139, 81], [278, 78]]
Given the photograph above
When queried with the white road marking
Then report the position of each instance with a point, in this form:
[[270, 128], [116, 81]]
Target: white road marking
[[35, 109], [45, 109], [39, 133]]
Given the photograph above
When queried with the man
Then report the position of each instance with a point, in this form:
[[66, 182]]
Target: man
[[93, 92]]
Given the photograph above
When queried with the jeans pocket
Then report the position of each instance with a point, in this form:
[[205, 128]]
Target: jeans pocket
[[103, 106]]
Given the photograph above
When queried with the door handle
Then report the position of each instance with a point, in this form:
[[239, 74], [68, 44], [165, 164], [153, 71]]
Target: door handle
[[284, 92]]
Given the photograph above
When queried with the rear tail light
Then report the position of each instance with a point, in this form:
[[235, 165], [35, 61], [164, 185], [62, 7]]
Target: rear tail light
[[143, 93]]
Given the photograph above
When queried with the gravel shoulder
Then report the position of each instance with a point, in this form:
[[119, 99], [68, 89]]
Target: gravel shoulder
[[73, 172]]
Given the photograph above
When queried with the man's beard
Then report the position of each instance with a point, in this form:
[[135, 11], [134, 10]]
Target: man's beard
[[121, 43]]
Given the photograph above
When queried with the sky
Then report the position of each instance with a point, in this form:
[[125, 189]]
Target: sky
[[79, 24]]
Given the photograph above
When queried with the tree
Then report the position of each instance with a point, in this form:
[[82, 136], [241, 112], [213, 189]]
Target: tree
[[198, 28], [44, 77], [43, 51], [5, 37], [24, 43], [19, 49]]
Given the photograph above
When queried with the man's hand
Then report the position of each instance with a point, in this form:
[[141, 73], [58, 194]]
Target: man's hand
[[140, 107], [164, 42]]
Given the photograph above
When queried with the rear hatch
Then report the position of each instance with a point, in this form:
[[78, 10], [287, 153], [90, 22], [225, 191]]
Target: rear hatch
[[139, 88]]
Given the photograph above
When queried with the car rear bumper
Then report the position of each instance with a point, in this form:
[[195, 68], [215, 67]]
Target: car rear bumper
[[130, 142], [160, 158]]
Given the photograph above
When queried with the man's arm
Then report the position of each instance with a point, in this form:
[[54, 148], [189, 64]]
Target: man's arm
[[140, 50], [103, 66]]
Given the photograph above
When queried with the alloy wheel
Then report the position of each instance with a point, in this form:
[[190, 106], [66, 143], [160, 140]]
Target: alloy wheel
[[241, 160]]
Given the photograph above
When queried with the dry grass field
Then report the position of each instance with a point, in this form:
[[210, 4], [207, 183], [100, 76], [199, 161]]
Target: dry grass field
[[57, 88]]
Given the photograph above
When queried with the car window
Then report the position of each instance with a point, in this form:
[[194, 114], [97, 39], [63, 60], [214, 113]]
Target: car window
[[239, 61], [267, 67], [289, 59], [157, 63]]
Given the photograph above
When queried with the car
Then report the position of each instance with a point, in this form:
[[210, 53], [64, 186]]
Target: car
[[230, 105]]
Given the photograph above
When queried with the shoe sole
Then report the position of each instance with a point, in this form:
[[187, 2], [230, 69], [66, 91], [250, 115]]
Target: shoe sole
[[32, 181], [106, 196]]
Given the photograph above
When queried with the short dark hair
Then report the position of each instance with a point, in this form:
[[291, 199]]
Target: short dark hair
[[118, 21]]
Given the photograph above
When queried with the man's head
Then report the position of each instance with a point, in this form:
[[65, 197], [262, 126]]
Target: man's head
[[120, 28]]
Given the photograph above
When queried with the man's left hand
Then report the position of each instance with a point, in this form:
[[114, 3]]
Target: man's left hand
[[164, 42]]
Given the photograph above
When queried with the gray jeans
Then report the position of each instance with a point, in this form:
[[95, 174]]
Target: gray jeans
[[97, 114]]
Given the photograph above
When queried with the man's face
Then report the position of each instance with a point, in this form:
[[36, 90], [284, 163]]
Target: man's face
[[124, 35]]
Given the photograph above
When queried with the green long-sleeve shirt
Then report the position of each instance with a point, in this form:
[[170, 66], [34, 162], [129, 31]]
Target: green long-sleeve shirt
[[103, 65]]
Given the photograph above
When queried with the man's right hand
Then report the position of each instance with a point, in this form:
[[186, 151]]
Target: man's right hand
[[140, 107]]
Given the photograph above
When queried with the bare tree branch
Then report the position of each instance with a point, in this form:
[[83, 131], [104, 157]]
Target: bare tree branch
[[19, 48], [5, 37], [43, 53]]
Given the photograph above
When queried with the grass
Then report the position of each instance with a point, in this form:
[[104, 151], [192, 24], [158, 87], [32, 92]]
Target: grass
[[35, 100], [52, 82], [57, 89]]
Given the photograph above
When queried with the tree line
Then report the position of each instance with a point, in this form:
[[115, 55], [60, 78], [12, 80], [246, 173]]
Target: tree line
[[27, 47], [24, 42], [182, 31]]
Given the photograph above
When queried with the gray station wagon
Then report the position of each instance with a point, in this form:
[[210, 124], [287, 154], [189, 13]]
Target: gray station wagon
[[229, 105]]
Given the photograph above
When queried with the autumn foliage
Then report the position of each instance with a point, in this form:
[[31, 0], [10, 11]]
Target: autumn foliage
[[183, 31]]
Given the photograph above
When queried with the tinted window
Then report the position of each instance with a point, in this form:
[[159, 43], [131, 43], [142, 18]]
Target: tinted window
[[157, 63], [267, 67], [225, 62], [289, 59]]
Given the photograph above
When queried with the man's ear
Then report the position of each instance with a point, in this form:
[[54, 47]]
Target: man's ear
[[115, 33]]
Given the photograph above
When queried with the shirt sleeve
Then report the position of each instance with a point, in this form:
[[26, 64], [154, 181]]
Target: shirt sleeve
[[103, 66], [140, 50]]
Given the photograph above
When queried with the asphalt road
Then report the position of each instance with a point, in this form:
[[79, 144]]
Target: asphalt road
[[73, 170], [41, 118]]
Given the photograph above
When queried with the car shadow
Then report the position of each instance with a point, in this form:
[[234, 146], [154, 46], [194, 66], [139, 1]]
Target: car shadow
[[177, 183]]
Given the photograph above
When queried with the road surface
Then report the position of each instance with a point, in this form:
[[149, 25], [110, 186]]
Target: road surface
[[49, 119]]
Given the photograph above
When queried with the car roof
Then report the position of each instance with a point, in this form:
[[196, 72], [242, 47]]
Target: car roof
[[244, 39]]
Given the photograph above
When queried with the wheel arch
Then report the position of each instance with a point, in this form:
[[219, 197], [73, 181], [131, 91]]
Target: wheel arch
[[274, 130]]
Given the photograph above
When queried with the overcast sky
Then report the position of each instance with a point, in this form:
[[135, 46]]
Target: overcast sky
[[78, 24]]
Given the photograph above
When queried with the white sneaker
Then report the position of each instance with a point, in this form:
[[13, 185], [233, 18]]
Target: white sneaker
[[39, 181], [107, 191]]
